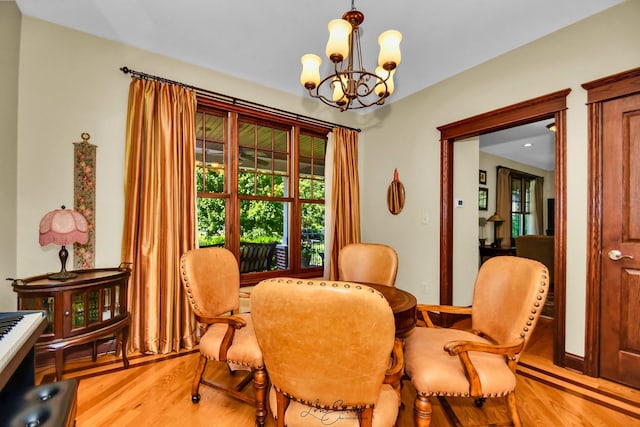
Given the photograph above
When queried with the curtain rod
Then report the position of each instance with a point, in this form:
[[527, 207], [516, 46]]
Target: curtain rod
[[526, 174], [236, 101]]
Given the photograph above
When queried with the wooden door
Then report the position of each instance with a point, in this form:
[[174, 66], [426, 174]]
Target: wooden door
[[620, 256]]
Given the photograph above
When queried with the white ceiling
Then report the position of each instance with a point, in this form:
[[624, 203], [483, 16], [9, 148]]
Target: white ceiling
[[262, 41], [532, 144]]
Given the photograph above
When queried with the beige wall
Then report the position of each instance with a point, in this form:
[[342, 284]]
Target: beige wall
[[9, 51], [604, 44], [70, 83]]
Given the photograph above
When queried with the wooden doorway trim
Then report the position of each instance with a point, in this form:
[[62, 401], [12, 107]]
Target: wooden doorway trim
[[552, 105], [598, 91]]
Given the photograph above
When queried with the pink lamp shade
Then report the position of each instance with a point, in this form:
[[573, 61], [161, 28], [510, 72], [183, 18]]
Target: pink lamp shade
[[63, 227]]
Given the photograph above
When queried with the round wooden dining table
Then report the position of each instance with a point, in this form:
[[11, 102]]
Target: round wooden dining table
[[403, 304]]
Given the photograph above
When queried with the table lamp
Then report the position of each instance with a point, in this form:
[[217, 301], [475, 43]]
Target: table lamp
[[497, 221], [63, 227]]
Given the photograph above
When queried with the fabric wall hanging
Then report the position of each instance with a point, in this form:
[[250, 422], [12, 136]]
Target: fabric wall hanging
[[84, 198]]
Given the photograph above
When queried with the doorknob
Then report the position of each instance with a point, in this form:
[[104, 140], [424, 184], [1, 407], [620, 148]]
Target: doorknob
[[616, 255]]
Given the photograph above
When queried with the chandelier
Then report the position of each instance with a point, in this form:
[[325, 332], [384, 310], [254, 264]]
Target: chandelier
[[351, 86]]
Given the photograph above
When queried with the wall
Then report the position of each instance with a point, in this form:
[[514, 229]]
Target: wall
[[9, 52], [465, 220], [406, 137]]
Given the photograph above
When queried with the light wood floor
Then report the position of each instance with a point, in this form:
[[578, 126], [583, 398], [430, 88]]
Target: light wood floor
[[155, 391]]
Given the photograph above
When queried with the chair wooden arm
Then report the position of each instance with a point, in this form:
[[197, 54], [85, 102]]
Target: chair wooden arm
[[462, 349], [424, 310], [233, 322], [395, 371]]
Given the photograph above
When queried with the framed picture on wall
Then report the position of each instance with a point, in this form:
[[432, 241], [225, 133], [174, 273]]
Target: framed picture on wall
[[482, 177], [483, 198]]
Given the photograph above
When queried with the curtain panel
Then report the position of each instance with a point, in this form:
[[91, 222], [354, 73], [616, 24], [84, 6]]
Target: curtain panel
[[159, 217], [345, 201], [503, 206], [539, 197]]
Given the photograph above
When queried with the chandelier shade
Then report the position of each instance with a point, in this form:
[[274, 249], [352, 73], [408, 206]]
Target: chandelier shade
[[350, 85], [337, 49]]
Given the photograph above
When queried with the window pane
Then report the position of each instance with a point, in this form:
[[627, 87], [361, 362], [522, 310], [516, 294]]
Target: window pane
[[312, 245], [246, 135], [311, 167], [264, 228], [516, 195], [517, 224], [210, 153], [214, 181], [211, 221], [214, 128], [199, 171], [262, 221]]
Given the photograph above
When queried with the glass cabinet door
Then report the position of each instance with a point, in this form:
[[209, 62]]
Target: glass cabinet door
[[77, 310], [94, 312], [106, 304]]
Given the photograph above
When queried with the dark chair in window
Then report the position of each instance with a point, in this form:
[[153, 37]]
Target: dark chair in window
[[256, 256]]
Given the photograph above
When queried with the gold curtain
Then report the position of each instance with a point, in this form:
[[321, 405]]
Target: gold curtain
[[159, 217], [345, 202], [538, 187], [503, 206]]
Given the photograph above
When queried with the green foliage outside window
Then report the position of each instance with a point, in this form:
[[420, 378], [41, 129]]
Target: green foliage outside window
[[261, 221]]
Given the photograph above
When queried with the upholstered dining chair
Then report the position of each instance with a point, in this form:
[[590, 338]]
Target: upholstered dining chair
[[508, 298], [211, 280], [330, 351], [368, 263]]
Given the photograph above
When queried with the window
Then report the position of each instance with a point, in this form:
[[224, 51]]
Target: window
[[522, 212], [260, 190]]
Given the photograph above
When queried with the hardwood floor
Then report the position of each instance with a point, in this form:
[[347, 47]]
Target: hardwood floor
[[155, 391]]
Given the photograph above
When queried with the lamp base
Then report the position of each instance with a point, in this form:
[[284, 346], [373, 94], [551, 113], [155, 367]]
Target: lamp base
[[63, 275]]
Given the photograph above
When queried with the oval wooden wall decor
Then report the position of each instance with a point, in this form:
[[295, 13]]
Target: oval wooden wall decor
[[395, 195]]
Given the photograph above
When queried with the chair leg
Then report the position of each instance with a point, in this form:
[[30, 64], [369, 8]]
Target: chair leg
[[422, 411], [195, 385], [366, 417], [513, 409], [260, 391]]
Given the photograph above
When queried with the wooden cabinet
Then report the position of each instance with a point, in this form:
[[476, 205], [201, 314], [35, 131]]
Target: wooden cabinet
[[79, 310], [487, 252]]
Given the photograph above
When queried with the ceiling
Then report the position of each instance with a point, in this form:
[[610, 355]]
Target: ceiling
[[262, 41], [532, 144]]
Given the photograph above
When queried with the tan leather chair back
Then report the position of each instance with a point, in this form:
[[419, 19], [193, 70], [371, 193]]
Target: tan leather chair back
[[211, 279], [508, 297], [323, 342], [368, 263]]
